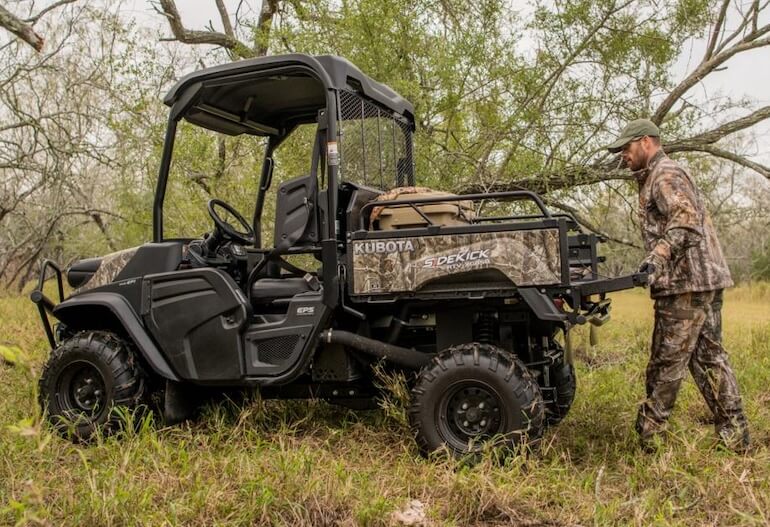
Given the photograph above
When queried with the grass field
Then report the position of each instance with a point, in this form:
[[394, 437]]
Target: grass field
[[309, 463]]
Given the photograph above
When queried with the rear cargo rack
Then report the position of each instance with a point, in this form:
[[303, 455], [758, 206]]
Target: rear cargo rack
[[44, 304], [383, 270]]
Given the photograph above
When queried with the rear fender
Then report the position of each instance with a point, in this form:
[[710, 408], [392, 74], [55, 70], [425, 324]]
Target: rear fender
[[102, 310]]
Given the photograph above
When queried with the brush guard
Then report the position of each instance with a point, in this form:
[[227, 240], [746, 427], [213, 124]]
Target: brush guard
[[44, 304]]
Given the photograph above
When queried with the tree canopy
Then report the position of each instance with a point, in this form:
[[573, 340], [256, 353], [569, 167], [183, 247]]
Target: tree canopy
[[506, 98]]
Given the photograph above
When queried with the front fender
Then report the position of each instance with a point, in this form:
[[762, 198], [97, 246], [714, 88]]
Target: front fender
[[88, 311]]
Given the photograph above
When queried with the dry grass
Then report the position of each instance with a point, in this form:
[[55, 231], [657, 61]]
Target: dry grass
[[308, 463]]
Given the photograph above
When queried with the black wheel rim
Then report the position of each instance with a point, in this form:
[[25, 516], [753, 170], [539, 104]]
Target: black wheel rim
[[81, 390], [470, 412]]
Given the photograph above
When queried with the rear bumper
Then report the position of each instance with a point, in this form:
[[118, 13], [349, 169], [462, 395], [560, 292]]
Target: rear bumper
[[547, 302]]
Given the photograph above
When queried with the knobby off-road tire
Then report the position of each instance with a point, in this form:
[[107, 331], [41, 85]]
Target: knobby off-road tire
[[564, 381], [86, 381], [474, 393]]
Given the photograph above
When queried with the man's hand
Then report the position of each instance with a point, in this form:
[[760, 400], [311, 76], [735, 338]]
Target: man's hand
[[647, 267], [652, 266]]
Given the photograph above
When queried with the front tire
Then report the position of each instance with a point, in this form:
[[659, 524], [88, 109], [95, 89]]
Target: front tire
[[474, 393], [86, 381]]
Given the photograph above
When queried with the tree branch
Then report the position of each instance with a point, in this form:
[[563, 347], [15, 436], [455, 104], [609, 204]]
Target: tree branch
[[225, 19], [718, 27], [214, 38], [21, 29], [751, 41], [264, 24], [712, 136], [33, 20], [753, 10], [730, 156], [610, 169], [544, 183]]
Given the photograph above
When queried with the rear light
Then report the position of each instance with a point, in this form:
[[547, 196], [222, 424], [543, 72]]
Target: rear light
[[559, 303]]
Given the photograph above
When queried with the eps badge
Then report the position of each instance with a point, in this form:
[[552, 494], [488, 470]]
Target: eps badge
[[305, 311]]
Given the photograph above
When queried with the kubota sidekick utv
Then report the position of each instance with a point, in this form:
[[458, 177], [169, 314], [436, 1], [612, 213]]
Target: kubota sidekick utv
[[468, 304]]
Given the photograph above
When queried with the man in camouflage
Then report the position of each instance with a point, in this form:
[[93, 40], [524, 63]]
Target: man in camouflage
[[687, 275]]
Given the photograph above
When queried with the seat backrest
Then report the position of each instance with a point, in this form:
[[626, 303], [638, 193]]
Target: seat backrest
[[296, 217], [353, 197]]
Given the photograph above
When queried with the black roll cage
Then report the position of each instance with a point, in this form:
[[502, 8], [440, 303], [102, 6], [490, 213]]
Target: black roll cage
[[185, 102]]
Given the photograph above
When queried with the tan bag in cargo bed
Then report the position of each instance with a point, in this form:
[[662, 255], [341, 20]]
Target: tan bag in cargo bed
[[392, 217]]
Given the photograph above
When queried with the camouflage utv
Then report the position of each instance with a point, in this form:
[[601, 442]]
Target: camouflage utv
[[464, 294]]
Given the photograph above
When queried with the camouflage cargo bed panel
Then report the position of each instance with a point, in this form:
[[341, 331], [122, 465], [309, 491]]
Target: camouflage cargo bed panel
[[407, 264]]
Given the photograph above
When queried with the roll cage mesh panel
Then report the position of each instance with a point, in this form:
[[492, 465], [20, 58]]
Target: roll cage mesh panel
[[375, 144]]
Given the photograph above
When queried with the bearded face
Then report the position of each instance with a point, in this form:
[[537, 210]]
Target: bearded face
[[635, 154]]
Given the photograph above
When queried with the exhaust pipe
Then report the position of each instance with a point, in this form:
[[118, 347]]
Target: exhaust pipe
[[396, 354]]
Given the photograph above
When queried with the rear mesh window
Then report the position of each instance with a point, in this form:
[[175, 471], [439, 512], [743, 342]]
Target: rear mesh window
[[375, 145]]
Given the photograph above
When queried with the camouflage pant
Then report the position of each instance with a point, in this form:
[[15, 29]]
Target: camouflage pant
[[688, 333]]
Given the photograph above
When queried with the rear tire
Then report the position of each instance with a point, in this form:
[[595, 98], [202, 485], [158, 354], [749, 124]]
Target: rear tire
[[86, 381], [474, 393]]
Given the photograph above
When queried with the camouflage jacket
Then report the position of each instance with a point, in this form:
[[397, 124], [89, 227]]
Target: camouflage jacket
[[677, 232]]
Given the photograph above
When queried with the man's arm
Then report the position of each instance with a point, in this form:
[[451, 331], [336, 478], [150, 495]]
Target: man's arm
[[675, 197]]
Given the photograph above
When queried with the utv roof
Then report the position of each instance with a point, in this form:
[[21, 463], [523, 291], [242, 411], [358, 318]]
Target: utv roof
[[271, 95]]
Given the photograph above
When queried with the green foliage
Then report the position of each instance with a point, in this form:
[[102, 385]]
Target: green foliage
[[205, 166], [691, 16]]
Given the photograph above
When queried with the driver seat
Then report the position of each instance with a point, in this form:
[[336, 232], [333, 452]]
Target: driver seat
[[296, 223]]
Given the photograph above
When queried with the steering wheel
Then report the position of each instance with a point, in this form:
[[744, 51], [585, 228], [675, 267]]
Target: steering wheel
[[226, 230]]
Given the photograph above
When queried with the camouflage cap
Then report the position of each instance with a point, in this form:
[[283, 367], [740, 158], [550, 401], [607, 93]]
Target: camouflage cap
[[634, 130]]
